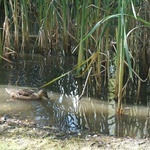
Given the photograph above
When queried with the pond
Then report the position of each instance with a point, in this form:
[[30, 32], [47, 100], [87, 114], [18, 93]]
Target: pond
[[63, 110]]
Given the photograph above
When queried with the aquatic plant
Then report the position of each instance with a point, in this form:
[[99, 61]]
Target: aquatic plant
[[85, 29]]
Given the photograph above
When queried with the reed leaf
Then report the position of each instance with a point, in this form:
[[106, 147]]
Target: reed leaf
[[24, 19], [55, 79], [65, 19], [133, 9], [99, 23], [91, 60], [81, 49], [1, 51], [14, 9]]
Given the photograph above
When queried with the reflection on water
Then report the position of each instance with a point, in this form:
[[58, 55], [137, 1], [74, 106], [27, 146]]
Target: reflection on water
[[63, 110], [89, 114]]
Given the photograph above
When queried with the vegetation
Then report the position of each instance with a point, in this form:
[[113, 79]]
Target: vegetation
[[101, 33]]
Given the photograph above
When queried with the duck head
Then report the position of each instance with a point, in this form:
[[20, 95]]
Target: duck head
[[42, 93]]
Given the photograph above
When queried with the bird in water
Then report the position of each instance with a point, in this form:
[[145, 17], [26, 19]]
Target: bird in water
[[27, 94]]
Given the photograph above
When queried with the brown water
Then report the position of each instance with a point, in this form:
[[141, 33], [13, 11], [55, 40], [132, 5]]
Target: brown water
[[63, 110]]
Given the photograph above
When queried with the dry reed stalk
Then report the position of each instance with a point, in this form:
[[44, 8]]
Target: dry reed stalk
[[6, 33], [42, 39]]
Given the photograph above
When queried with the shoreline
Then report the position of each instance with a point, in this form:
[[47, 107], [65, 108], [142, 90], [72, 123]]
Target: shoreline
[[21, 134]]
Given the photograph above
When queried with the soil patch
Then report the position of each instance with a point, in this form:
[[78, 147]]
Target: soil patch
[[23, 135]]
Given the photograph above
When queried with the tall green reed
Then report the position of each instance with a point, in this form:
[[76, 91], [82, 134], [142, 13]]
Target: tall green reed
[[65, 24], [15, 15], [82, 32], [24, 23], [120, 36], [122, 46], [48, 26]]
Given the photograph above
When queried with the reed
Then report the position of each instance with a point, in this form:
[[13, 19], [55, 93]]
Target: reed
[[65, 24], [82, 32], [15, 12], [84, 28], [123, 53], [6, 29], [6, 33], [41, 20], [1, 51], [48, 27], [24, 24]]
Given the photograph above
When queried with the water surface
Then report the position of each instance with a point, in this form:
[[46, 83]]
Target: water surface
[[63, 110]]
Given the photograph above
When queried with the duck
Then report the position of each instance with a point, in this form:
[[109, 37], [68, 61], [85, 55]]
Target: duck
[[26, 94]]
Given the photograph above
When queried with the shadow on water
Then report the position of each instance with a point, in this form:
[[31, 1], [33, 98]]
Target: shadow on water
[[63, 110]]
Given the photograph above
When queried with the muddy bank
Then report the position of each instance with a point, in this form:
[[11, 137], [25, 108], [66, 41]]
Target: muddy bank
[[18, 134]]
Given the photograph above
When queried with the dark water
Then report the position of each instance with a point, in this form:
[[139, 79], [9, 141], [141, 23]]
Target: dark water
[[63, 110]]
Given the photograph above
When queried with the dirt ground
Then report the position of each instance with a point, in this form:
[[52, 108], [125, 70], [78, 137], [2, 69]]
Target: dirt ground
[[23, 135]]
